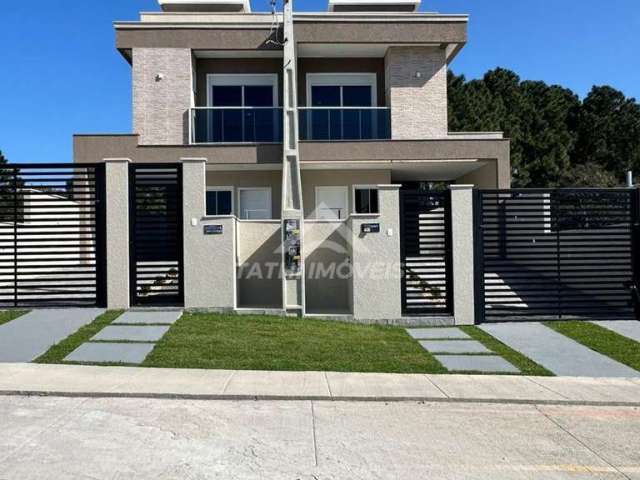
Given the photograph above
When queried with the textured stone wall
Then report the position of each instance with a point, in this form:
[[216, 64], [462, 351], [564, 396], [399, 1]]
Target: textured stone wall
[[162, 95], [416, 86]]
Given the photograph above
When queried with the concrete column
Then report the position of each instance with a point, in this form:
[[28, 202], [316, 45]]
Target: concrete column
[[376, 260], [209, 258], [462, 244], [117, 234]]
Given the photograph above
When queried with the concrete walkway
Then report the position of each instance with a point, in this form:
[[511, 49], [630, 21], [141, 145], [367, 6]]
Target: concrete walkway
[[128, 340], [555, 352], [29, 336], [458, 352], [626, 328], [93, 381]]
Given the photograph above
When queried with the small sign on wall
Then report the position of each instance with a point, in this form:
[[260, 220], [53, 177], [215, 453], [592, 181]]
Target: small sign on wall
[[213, 229], [370, 228]]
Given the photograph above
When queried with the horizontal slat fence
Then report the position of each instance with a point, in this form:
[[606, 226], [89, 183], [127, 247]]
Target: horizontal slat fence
[[52, 235], [548, 254]]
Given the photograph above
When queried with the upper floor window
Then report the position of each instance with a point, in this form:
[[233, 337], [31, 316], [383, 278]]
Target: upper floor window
[[242, 108], [240, 90], [341, 90]]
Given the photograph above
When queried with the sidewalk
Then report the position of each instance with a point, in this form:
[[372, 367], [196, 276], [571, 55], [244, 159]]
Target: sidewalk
[[72, 380]]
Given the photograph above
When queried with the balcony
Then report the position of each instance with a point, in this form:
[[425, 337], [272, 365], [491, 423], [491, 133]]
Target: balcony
[[264, 124], [235, 125], [345, 123]]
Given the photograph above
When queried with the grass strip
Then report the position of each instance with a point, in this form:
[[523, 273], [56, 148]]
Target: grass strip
[[602, 340], [524, 364], [8, 315], [256, 342], [59, 351]]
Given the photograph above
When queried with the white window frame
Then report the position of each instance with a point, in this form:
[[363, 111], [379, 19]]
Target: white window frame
[[242, 80], [269, 202], [346, 202], [220, 189], [364, 187], [342, 80]]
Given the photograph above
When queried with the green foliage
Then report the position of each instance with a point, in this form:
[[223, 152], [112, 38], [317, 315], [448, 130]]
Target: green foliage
[[3, 160], [556, 139]]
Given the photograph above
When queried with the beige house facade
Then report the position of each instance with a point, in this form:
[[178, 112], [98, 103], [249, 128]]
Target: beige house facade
[[313, 154]]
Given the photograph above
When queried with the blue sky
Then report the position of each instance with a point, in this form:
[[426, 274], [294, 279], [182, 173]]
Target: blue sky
[[60, 73]]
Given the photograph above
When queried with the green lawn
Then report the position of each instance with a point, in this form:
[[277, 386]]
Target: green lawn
[[8, 315], [526, 365], [241, 342], [59, 351], [602, 340]]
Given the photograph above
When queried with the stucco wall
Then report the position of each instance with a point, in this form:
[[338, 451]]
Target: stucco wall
[[209, 260], [117, 237], [376, 261], [269, 178], [327, 263], [462, 246], [162, 94], [418, 104], [259, 262], [313, 178]]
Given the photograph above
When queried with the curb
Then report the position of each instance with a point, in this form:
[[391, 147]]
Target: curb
[[314, 398]]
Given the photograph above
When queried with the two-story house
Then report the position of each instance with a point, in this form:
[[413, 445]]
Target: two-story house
[[291, 157]]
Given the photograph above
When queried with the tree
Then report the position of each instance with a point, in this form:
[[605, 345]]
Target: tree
[[556, 140], [609, 132]]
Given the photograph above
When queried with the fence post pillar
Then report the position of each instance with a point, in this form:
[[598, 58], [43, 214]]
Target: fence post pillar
[[463, 254], [117, 231]]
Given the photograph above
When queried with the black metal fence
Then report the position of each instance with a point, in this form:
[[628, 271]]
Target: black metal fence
[[156, 266], [425, 232], [52, 244], [556, 254]]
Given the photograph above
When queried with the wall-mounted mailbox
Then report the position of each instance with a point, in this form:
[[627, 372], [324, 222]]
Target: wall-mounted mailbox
[[370, 228], [291, 231], [213, 230]]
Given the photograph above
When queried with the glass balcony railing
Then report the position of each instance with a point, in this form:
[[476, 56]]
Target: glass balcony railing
[[345, 123], [264, 124], [236, 125]]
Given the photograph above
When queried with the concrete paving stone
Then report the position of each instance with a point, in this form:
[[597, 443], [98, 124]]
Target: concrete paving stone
[[437, 333], [593, 389], [132, 333], [131, 353], [626, 328], [277, 384], [29, 336], [454, 346], [476, 363], [487, 387], [168, 317], [556, 352], [381, 385]]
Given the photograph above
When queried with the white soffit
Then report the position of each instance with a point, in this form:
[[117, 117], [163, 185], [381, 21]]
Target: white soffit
[[205, 5], [395, 6]]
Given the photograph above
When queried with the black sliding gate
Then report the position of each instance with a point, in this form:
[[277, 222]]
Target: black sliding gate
[[556, 254], [156, 234], [425, 246], [52, 244]]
